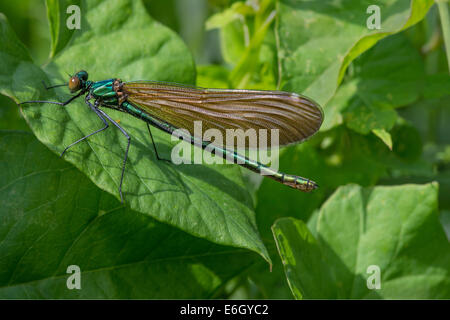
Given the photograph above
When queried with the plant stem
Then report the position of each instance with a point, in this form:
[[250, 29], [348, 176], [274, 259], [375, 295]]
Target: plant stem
[[445, 23]]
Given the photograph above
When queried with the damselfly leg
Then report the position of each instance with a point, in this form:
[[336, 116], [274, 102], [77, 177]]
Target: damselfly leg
[[126, 152], [102, 115], [97, 112], [55, 102]]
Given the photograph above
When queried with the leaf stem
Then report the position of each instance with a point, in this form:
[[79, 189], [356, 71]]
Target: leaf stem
[[445, 23]]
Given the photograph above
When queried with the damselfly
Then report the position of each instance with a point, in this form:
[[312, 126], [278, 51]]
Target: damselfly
[[169, 106]]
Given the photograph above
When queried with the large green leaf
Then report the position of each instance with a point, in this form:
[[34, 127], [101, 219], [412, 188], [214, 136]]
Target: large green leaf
[[299, 251], [53, 217], [319, 39], [57, 18], [387, 76], [118, 39], [10, 118], [394, 228]]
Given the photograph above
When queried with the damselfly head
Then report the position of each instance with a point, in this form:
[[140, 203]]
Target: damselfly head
[[78, 81]]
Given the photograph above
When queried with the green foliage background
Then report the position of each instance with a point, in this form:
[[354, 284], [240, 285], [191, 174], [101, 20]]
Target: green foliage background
[[382, 156]]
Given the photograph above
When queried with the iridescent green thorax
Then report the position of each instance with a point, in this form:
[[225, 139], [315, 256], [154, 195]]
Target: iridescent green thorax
[[103, 90]]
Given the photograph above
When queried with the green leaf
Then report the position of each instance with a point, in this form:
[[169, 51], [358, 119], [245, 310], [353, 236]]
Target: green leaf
[[437, 86], [394, 228], [57, 19], [237, 11], [408, 143], [212, 76], [338, 104], [445, 220], [206, 201], [15, 57], [53, 217], [364, 118], [248, 43], [233, 37], [271, 283], [387, 76], [300, 253], [384, 136], [10, 118], [313, 61], [391, 73]]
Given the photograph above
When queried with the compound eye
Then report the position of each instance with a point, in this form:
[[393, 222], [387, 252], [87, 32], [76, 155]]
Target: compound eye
[[74, 84]]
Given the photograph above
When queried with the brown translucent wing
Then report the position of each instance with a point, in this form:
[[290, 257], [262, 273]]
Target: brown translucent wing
[[296, 117]]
